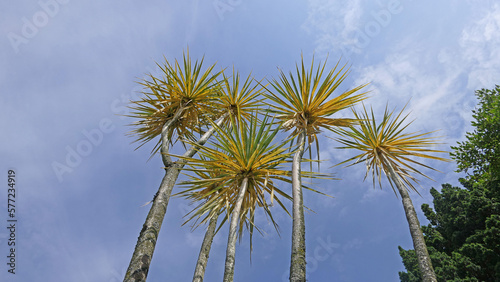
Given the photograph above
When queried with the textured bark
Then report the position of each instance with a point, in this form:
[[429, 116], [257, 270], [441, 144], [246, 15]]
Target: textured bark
[[201, 264], [146, 242], [231, 240], [298, 258], [143, 253], [424, 260]]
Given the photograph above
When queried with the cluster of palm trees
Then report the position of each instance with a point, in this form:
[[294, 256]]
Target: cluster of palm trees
[[239, 169]]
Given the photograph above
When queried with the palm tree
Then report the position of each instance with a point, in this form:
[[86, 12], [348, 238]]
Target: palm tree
[[386, 148], [203, 196], [179, 103], [237, 103], [243, 166], [304, 104], [201, 263]]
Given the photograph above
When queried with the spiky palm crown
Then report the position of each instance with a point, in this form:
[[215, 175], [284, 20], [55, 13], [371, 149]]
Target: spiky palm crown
[[241, 150], [303, 102], [239, 100], [385, 145], [180, 88], [244, 150], [200, 97]]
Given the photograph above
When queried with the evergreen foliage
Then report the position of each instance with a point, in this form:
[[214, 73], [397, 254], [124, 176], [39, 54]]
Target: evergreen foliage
[[463, 237], [481, 151]]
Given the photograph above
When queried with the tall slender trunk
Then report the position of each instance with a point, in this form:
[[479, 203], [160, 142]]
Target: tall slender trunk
[[231, 240], [201, 264], [424, 260], [146, 242], [298, 258]]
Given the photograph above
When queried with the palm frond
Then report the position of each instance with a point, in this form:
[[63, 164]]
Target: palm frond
[[244, 150], [305, 102], [184, 88], [385, 145], [239, 99]]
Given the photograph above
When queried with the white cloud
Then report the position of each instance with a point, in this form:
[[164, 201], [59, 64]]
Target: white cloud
[[64, 80], [440, 91], [438, 77], [332, 31], [434, 92], [480, 43]]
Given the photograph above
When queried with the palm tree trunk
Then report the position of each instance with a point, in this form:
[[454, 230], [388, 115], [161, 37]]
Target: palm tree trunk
[[201, 264], [231, 241], [424, 260], [298, 258], [146, 242]]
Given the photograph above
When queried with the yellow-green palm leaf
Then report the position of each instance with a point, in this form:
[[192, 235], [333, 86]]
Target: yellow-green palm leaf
[[241, 150], [239, 100], [184, 88], [385, 145], [306, 102]]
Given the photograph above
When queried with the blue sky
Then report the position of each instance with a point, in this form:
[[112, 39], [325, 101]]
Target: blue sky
[[68, 68]]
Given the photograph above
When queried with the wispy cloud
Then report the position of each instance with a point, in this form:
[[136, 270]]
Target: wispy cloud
[[332, 22], [480, 43], [80, 67]]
